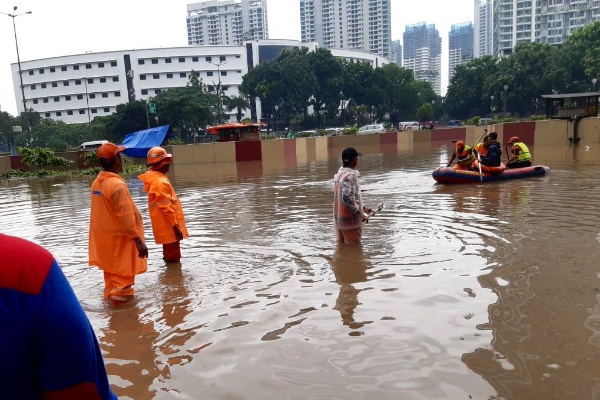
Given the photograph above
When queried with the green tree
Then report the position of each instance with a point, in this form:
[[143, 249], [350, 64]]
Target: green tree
[[42, 157], [238, 103], [581, 56]]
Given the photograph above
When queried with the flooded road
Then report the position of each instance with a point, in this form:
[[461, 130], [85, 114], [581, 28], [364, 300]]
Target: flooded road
[[457, 292]]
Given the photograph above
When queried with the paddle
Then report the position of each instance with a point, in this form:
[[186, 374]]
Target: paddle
[[479, 156]]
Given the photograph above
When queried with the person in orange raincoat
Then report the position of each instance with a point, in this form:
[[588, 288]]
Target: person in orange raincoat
[[116, 242], [166, 213]]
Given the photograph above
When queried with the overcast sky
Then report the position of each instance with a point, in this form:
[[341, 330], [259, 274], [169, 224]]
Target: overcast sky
[[66, 27]]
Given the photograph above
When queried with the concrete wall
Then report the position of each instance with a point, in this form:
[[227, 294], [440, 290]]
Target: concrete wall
[[546, 137]]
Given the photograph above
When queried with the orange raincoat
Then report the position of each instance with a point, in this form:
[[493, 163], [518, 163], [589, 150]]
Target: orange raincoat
[[165, 208], [114, 224]]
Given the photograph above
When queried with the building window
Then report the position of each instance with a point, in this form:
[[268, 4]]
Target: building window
[[94, 111], [81, 111], [209, 73], [68, 98], [195, 59], [181, 59], [104, 95], [43, 86], [76, 67], [90, 80], [66, 83], [140, 62], [88, 66], [169, 76], [223, 73], [100, 65], [208, 59], [41, 71], [115, 79], [56, 99], [113, 63], [35, 101], [54, 84], [144, 92], [78, 81], [32, 87], [155, 61], [30, 72], [79, 97], [45, 100], [222, 58], [102, 80], [47, 115], [58, 113], [167, 61], [106, 109], [52, 69], [92, 95], [70, 112], [182, 74], [63, 68], [155, 76], [117, 94], [142, 77], [157, 91]]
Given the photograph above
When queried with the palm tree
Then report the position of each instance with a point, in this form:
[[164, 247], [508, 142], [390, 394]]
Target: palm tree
[[237, 102]]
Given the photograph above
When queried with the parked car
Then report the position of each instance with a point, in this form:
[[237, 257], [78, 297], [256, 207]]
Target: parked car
[[369, 129], [484, 121], [409, 126], [94, 145], [454, 122]]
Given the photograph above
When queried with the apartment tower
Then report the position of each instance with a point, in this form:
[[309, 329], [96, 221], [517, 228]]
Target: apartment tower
[[422, 48], [483, 29], [226, 22], [347, 24], [460, 46]]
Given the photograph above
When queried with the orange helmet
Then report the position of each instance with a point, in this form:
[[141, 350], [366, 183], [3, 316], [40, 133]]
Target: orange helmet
[[460, 144], [513, 139], [158, 156]]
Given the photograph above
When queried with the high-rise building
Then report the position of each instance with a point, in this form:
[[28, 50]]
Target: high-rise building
[[396, 55], [354, 24], [483, 29], [226, 22], [460, 46], [544, 21], [558, 19], [423, 53]]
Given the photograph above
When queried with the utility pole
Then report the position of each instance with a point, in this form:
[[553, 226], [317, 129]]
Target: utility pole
[[218, 65]]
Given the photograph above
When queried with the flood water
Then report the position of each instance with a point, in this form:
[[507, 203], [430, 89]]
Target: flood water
[[458, 291]]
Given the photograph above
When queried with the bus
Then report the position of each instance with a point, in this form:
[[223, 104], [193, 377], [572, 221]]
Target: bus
[[234, 132]]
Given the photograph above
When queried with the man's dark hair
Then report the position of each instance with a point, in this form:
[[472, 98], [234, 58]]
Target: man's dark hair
[[106, 164], [493, 135]]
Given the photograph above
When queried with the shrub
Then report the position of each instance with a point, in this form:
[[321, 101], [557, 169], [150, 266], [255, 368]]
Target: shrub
[[42, 157]]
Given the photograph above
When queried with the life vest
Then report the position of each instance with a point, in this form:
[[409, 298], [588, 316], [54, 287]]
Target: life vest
[[480, 149], [486, 169], [465, 158], [524, 154]]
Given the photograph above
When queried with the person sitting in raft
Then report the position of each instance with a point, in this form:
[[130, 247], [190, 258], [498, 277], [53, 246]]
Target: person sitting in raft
[[520, 157], [481, 147], [464, 156], [492, 162]]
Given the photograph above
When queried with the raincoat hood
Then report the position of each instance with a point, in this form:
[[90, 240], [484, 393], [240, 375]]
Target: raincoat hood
[[104, 175], [148, 177], [344, 171]]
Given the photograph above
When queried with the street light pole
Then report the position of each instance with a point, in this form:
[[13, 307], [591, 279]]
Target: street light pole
[[432, 113], [505, 96], [343, 114], [218, 65], [277, 118], [13, 16], [594, 84], [87, 100], [492, 106]]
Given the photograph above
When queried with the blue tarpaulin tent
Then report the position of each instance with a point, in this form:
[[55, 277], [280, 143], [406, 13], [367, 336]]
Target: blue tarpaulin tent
[[138, 143]]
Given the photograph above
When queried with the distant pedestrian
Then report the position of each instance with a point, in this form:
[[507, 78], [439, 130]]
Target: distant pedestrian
[[349, 211], [116, 243], [166, 213], [49, 349]]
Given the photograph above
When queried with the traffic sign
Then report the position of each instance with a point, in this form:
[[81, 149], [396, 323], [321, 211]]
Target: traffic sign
[[152, 108]]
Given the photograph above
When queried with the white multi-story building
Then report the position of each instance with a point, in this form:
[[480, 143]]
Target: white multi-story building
[[460, 46], [347, 24], [396, 55], [77, 88], [483, 29], [422, 48], [226, 22], [544, 21]]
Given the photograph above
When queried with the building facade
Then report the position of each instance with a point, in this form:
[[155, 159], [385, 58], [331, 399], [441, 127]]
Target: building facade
[[226, 22], [78, 88], [483, 28], [396, 56], [422, 47], [340, 24], [460, 46], [558, 19]]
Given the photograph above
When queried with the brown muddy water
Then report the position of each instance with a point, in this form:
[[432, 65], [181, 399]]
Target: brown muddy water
[[458, 292]]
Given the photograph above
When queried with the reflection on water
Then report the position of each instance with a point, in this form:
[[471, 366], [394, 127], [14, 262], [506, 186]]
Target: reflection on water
[[468, 291]]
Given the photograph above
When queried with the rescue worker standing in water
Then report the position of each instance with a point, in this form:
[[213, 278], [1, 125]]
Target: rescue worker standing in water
[[166, 213], [116, 242], [464, 156]]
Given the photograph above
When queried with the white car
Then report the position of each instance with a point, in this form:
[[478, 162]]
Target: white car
[[369, 129], [409, 126]]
